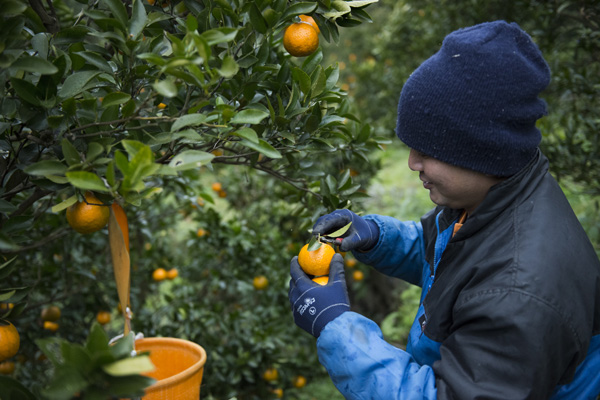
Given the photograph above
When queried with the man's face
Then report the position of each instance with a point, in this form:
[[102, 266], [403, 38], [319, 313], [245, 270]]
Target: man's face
[[449, 185]]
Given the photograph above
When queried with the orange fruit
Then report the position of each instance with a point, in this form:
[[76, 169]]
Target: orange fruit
[[260, 282], [310, 20], [316, 262], [88, 216], [271, 374], [159, 274], [122, 221], [216, 186], [202, 232], [358, 275], [6, 306], [162, 106], [7, 367], [222, 194], [217, 152], [321, 280], [103, 317], [300, 39], [51, 326], [299, 381], [350, 262], [50, 313], [172, 273], [278, 392], [9, 340]]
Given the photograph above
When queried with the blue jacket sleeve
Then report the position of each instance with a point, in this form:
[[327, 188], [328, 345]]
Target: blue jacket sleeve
[[363, 366], [400, 251]]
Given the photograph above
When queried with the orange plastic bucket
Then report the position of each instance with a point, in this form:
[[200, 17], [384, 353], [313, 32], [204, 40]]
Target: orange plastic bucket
[[179, 365]]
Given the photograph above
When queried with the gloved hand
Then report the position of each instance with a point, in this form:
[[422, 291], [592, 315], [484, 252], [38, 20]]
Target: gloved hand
[[362, 235], [314, 305]]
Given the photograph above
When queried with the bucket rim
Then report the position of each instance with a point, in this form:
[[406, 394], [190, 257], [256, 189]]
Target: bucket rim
[[183, 375]]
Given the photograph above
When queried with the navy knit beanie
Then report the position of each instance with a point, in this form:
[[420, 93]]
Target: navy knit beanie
[[474, 103]]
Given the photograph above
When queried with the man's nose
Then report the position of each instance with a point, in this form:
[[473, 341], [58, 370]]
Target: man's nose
[[415, 161]]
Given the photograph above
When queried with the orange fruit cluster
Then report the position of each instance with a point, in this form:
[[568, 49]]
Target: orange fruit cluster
[[160, 274]]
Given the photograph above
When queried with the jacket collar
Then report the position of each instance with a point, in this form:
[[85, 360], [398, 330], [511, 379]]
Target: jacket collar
[[500, 197]]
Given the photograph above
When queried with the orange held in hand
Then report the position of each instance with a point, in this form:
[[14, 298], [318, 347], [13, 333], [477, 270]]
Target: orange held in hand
[[88, 216], [9, 340], [321, 280], [316, 262], [300, 39]]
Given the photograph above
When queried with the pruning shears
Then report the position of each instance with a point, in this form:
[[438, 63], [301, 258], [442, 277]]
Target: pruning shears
[[333, 241]]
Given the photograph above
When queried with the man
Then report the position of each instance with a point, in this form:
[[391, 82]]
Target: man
[[510, 307]]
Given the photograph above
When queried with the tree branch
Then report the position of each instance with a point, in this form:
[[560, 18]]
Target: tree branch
[[49, 20]]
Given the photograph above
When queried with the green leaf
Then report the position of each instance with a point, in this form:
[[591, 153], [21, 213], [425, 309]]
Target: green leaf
[[262, 147], [188, 120], [93, 151], [166, 88], [26, 91], [229, 67], [333, 77], [13, 8], [46, 167], [12, 389], [138, 18], [249, 116], [297, 9], [318, 84], [7, 295], [340, 231], [302, 78], [360, 3], [76, 83], [64, 204], [129, 366], [219, 35], [35, 64], [71, 154], [50, 347], [247, 133], [118, 10], [39, 43], [115, 98], [129, 386], [341, 8], [87, 181], [7, 207], [123, 347], [314, 244], [96, 60], [256, 18], [190, 159], [97, 340]]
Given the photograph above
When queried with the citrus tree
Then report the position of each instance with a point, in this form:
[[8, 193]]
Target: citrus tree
[[146, 106]]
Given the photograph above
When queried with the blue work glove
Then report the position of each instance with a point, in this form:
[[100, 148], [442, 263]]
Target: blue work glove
[[362, 235], [314, 305]]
